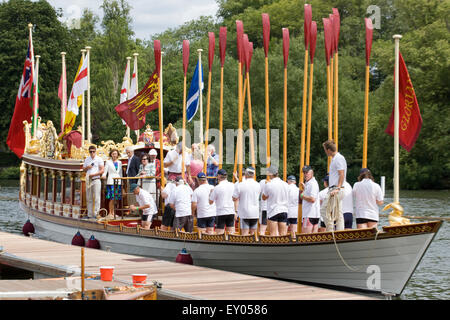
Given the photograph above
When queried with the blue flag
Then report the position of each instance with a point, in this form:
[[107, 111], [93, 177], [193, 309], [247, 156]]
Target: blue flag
[[194, 93]]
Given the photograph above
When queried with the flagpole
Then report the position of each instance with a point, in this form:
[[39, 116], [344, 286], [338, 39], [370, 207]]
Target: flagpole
[[157, 51], [64, 91], [88, 57], [397, 38], [35, 97], [200, 92], [83, 111], [128, 89], [30, 27], [137, 90]]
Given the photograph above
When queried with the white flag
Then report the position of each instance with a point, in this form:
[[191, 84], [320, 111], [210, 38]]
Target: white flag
[[133, 85], [123, 90], [80, 85]]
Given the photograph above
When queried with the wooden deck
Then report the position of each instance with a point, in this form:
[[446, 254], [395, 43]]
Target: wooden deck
[[179, 281]]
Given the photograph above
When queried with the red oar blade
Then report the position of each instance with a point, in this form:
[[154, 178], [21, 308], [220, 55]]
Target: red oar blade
[[307, 24], [285, 46], [185, 56], [327, 38], [369, 35], [222, 44], [337, 26], [239, 37], [312, 40], [250, 54], [212, 47], [266, 32]]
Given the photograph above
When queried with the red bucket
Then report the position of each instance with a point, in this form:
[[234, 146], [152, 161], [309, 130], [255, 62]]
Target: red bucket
[[139, 278], [106, 273]]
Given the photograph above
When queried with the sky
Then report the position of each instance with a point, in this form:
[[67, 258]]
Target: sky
[[149, 17]]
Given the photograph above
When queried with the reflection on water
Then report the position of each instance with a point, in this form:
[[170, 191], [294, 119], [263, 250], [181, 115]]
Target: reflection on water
[[429, 281]]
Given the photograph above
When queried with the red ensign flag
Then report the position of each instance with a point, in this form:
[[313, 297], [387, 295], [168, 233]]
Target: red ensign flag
[[133, 111], [409, 112]]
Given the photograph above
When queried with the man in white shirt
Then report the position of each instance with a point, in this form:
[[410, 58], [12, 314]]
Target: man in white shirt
[[368, 196], [206, 212], [246, 194], [347, 206], [310, 202], [222, 196], [323, 197], [276, 192], [169, 213], [94, 168], [146, 204], [263, 209], [180, 200], [173, 161], [337, 176], [294, 193]]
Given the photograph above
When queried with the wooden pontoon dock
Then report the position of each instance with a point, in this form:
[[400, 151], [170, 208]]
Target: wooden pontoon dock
[[49, 259]]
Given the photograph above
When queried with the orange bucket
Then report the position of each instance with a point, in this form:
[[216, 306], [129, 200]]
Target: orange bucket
[[138, 278], [106, 273]]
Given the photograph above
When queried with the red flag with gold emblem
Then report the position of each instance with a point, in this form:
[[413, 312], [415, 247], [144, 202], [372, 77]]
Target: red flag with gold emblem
[[133, 111], [409, 112]]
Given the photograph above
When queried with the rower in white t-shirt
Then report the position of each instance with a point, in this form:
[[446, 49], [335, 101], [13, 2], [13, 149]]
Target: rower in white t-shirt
[[311, 202], [263, 209], [180, 199], [368, 196], [146, 204], [246, 194], [206, 212], [347, 205], [222, 196], [294, 193]]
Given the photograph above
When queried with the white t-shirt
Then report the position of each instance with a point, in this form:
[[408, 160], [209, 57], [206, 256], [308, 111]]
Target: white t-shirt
[[222, 195], [347, 201], [144, 198], [263, 203], [248, 192], [97, 161], [201, 197], [366, 194], [181, 197], [294, 192], [311, 209], [337, 163], [323, 199], [176, 165], [278, 197], [168, 190]]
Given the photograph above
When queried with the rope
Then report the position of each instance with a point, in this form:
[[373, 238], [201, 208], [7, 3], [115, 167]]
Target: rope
[[333, 209]]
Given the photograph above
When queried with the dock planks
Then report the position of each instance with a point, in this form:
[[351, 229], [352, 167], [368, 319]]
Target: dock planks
[[183, 281]]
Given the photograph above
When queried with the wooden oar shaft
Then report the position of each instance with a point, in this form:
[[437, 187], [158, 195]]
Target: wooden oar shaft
[[366, 119], [208, 106], [161, 134], [304, 106], [183, 143], [285, 127], [336, 106], [250, 123], [241, 117], [221, 120], [267, 112], [330, 113], [308, 140]]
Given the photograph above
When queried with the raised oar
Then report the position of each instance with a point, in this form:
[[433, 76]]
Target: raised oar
[[331, 31], [307, 31], [266, 40], [307, 28], [336, 31], [369, 34], [222, 49], [239, 40], [157, 51], [212, 46], [327, 39], [312, 50], [185, 67], [248, 58], [285, 60]]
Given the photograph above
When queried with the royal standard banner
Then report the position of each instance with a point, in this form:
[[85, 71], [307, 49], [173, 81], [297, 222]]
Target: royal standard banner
[[133, 111]]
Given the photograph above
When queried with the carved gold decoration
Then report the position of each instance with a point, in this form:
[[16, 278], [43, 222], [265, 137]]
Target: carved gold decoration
[[214, 237], [129, 230], [241, 239], [275, 239], [172, 134], [167, 234], [395, 216], [188, 235], [147, 232]]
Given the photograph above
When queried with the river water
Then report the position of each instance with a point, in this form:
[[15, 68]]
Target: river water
[[431, 280]]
